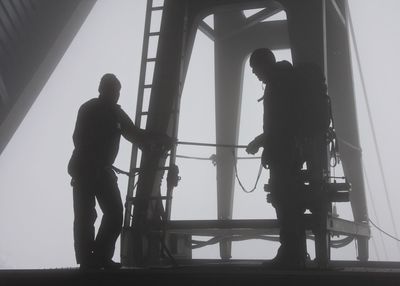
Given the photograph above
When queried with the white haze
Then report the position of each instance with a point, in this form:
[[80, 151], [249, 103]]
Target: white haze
[[36, 200]]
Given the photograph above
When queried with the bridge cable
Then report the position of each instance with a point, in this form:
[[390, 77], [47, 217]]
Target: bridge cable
[[372, 127], [381, 230]]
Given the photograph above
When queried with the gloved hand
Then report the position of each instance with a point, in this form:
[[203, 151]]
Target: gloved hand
[[255, 145], [167, 141], [161, 141]]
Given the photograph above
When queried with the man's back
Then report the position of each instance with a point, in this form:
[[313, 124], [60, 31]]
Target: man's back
[[279, 102], [96, 136]]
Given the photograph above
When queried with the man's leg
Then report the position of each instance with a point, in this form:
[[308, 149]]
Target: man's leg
[[109, 199], [289, 213], [289, 208], [84, 218]]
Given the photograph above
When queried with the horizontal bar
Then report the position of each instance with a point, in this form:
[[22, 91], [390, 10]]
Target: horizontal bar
[[157, 8], [257, 227], [341, 226], [223, 224]]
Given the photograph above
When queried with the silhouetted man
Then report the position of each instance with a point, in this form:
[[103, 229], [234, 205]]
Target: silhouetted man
[[281, 153], [99, 126]]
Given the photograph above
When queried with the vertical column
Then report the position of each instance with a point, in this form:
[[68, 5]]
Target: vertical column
[[229, 61], [341, 91], [307, 26], [166, 90]]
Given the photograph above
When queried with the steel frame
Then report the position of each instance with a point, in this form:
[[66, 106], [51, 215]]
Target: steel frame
[[314, 33]]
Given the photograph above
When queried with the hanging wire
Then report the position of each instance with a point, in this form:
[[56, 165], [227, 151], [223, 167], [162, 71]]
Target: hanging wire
[[384, 232], [374, 210], [372, 127], [217, 239], [240, 182]]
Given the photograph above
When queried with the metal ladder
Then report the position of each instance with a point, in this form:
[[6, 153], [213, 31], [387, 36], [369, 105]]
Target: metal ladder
[[140, 113]]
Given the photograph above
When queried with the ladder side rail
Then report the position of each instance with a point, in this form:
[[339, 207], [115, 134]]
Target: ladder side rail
[[139, 106]]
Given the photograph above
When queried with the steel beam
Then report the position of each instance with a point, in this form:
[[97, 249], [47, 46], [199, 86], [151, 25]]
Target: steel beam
[[207, 30], [306, 32], [25, 72]]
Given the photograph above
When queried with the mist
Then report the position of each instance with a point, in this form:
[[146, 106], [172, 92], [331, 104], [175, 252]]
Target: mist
[[36, 212]]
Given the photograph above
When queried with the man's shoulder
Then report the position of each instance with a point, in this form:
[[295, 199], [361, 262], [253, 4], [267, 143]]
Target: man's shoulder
[[91, 102], [283, 66], [284, 69], [91, 108]]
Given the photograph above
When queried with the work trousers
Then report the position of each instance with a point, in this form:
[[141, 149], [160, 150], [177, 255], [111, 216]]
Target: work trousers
[[101, 185], [285, 166]]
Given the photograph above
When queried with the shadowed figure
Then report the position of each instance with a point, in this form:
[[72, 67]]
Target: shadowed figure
[[99, 126], [281, 154], [297, 117]]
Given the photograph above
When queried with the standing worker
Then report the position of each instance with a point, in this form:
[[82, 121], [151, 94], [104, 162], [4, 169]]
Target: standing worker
[[99, 126], [281, 154]]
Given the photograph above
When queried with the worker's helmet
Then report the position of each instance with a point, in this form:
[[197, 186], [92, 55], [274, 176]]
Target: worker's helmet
[[109, 83], [262, 56]]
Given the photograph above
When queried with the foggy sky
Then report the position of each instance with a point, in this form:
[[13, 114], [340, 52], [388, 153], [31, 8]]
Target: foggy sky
[[36, 198]]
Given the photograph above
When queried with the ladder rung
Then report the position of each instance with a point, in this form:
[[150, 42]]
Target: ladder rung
[[144, 113], [147, 86], [151, 59], [157, 8], [154, 34]]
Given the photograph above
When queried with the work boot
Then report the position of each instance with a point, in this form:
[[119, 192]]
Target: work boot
[[286, 260], [111, 265], [90, 263]]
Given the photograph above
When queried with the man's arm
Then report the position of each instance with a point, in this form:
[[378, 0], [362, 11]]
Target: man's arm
[[139, 136]]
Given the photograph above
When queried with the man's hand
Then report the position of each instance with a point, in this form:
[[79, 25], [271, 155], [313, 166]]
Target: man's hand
[[162, 140], [255, 145], [167, 142], [252, 148]]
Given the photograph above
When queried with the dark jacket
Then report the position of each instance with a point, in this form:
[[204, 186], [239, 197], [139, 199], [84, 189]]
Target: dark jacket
[[280, 102], [97, 134]]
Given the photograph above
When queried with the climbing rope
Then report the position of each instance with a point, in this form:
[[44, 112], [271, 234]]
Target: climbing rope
[[212, 158], [240, 182]]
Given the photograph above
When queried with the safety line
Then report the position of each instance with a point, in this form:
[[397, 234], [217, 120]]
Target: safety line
[[240, 183], [211, 145], [213, 157]]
